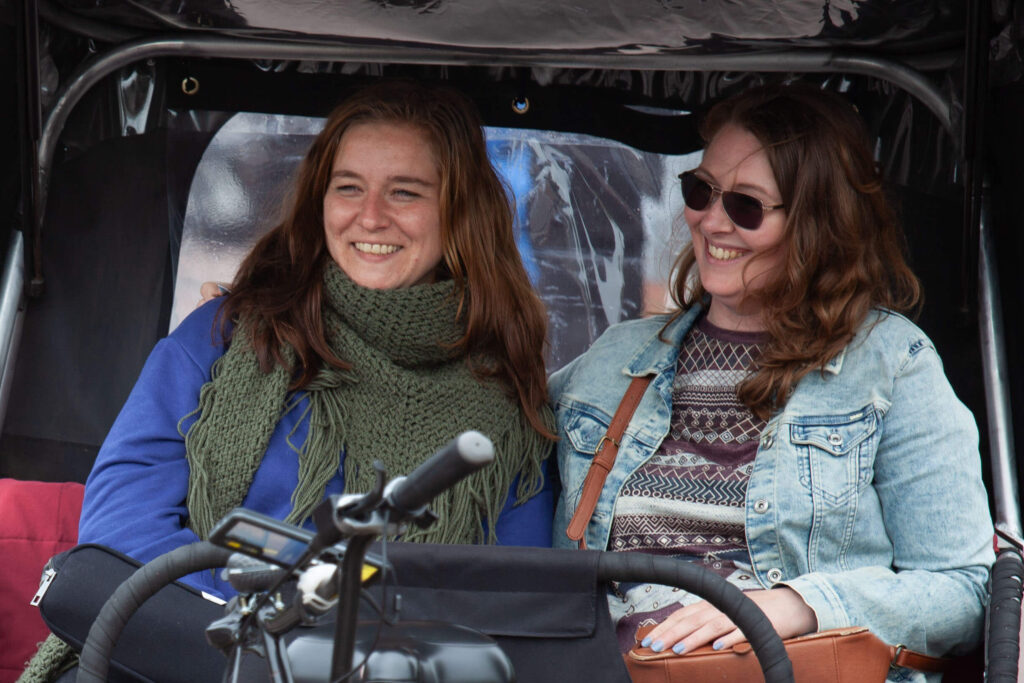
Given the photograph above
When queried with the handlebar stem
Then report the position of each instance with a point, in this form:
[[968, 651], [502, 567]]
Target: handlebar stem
[[349, 584], [376, 523]]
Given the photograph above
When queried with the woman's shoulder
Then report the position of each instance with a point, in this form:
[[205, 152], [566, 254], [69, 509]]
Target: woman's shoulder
[[885, 345], [640, 329], [199, 334], [604, 364], [885, 331]]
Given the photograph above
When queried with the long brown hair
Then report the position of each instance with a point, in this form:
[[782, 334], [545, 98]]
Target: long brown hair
[[844, 249], [278, 287]]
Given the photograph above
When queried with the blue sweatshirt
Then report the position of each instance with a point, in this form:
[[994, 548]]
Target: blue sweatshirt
[[135, 494]]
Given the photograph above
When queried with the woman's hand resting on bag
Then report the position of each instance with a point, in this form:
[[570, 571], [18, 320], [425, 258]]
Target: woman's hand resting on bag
[[701, 624]]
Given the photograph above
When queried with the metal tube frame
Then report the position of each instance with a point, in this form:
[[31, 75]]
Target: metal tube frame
[[812, 61], [12, 313], [997, 400]]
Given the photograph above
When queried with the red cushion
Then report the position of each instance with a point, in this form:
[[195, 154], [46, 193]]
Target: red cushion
[[37, 520]]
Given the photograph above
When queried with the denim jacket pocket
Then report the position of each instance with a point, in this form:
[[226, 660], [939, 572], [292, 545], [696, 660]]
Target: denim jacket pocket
[[835, 452], [584, 430], [581, 428]]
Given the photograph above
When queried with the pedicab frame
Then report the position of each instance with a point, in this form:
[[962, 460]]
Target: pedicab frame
[[23, 274]]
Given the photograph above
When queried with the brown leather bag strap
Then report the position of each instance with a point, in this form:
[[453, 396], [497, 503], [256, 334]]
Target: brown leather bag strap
[[902, 657], [604, 459]]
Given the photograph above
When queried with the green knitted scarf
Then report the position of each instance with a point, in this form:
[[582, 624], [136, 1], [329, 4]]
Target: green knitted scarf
[[408, 393]]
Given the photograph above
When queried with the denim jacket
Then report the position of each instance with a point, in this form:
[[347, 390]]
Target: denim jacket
[[866, 494]]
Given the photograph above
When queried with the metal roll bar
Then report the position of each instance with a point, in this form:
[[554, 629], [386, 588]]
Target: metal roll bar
[[12, 313], [811, 61], [997, 401]]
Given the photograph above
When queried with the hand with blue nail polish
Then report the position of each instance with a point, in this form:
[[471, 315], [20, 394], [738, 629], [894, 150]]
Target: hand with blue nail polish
[[702, 624]]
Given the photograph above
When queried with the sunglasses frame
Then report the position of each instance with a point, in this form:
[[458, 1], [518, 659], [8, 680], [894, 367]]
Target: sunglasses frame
[[719, 192]]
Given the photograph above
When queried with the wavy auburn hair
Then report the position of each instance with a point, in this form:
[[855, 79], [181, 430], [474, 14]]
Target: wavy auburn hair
[[844, 249], [278, 288]]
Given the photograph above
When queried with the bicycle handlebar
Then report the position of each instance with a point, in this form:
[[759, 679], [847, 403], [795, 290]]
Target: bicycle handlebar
[[1004, 610], [459, 458]]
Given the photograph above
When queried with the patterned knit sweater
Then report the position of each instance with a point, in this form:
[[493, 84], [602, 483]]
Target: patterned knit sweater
[[687, 501]]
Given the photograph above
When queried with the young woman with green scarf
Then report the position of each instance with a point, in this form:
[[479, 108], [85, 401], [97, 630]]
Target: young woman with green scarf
[[386, 313]]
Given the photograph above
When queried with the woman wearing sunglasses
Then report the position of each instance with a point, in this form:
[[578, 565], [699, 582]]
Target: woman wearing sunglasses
[[798, 436]]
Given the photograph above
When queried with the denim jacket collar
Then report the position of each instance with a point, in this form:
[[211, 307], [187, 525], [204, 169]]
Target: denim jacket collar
[[835, 365], [661, 350]]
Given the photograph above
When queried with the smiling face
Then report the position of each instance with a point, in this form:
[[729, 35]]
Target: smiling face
[[382, 217], [733, 262]]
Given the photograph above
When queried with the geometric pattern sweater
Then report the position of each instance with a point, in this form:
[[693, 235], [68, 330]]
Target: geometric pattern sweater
[[687, 500]]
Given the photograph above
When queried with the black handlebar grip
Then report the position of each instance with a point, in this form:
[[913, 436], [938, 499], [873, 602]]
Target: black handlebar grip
[[1004, 609], [139, 587], [459, 458]]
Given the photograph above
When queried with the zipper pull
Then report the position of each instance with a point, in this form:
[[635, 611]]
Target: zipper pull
[[49, 574]]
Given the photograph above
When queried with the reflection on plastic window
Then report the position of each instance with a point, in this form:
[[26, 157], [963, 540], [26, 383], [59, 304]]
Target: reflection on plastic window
[[597, 222]]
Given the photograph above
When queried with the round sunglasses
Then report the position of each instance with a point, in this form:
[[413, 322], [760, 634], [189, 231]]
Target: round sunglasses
[[745, 211]]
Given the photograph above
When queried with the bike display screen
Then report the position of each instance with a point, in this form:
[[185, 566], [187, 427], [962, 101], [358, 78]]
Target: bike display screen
[[271, 540], [261, 536]]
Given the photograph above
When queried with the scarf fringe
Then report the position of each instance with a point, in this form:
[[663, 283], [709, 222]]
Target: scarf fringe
[[468, 513], [320, 455], [214, 430], [53, 658]]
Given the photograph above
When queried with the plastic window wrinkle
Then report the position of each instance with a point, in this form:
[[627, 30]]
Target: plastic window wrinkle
[[135, 88], [597, 222]]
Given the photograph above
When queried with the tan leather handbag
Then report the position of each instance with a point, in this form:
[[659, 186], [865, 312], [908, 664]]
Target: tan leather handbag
[[842, 655]]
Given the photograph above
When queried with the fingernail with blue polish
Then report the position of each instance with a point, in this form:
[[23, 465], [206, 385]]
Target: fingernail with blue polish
[[718, 645], [658, 646], [679, 648], [645, 642]]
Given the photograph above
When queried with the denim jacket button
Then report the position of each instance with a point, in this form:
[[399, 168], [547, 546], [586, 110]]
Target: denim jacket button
[[761, 506], [835, 438], [767, 440], [774, 575]]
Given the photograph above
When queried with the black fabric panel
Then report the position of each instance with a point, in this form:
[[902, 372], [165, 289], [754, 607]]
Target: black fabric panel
[[933, 225], [607, 112], [33, 459], [13, 137], [543, 606], [525, 592], [107, 295]]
